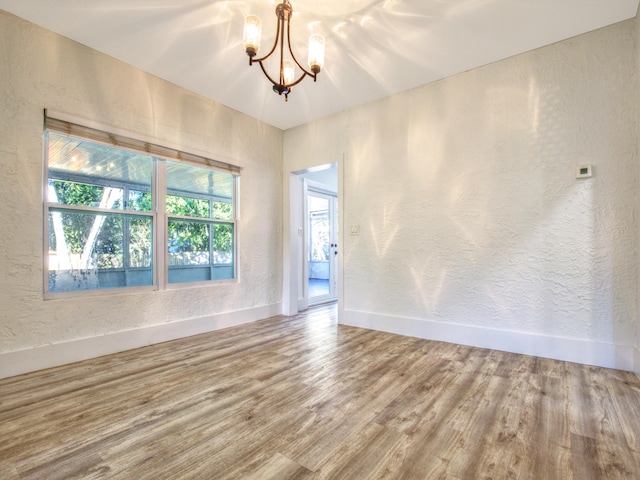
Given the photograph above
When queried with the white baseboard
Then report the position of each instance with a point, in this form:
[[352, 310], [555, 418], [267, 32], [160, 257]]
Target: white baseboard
[[53, 355], [568, 349]]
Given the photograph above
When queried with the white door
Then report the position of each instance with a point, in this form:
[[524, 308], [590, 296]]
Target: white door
[[322, 247]]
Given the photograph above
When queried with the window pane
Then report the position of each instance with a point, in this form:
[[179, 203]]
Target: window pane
[[86, 251], [223, 244], [82, 194], [183, 177], [87, 173], [189, 242], [188, 207], [140, 235], [140, 201], [193, 257], [199, 192], [318, 212], [223, 210]]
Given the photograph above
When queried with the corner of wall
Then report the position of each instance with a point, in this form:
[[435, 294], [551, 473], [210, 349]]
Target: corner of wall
[[636, 365]]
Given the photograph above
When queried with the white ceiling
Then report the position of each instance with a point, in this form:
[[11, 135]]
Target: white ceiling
[[375, 48]]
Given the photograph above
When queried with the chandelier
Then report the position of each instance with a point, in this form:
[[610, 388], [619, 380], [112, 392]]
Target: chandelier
[[287, 75]]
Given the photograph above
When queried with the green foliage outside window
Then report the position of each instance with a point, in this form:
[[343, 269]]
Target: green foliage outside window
[[108, 245], [108, 248], [187, 236]]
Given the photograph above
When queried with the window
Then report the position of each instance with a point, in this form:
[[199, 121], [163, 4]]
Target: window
[[110, 208]]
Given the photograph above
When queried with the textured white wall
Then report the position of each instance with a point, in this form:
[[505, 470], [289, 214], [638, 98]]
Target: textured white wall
[[42, 70], [469, 210]]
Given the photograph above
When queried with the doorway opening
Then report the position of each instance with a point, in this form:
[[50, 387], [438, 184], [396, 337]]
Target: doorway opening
[[318, 234]]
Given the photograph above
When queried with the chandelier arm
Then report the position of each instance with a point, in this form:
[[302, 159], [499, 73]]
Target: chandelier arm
[[264, 70], [306, 72], [293, 84], [281, 32], [275, 44]]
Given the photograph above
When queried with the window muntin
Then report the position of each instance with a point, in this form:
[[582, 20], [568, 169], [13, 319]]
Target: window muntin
[[102, 220]]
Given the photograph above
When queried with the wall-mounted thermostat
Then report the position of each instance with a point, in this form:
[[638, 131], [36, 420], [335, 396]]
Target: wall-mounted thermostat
[[583, 171]]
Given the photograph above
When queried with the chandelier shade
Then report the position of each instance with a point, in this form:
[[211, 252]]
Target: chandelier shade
[[252, 34], [316, 52], [286, 78]]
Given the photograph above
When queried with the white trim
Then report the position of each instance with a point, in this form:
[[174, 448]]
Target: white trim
[[47, 356], [290, 247], [342, 199], [586, 352], [303, 282], [161, 226]]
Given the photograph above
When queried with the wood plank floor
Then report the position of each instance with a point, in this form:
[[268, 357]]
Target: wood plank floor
[[304, 398]]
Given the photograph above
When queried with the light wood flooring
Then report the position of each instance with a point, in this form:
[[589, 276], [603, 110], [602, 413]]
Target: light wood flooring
[[304, 398]]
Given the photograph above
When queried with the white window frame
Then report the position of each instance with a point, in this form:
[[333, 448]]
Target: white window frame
[[159, 251]]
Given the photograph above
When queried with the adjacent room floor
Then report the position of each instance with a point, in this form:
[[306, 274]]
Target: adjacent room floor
[[318, 287], [304, 398]]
